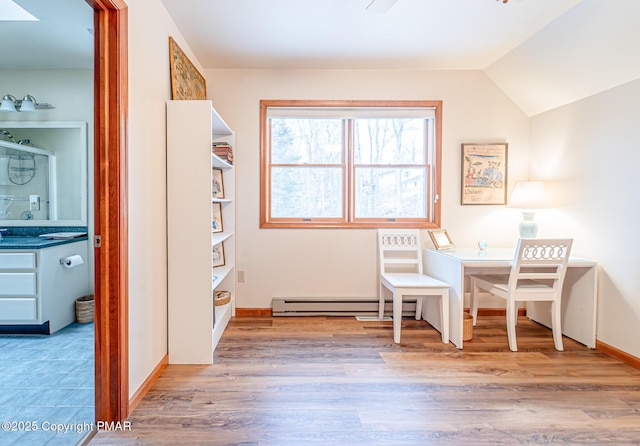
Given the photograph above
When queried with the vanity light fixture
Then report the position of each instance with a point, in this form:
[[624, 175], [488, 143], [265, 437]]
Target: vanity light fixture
[[27, 104]]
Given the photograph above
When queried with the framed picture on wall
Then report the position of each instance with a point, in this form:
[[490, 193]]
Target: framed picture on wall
[[186, 81], [484, 173]]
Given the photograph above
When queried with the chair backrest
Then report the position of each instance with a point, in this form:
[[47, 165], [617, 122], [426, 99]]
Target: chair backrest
[[542, 260], [399, 251]]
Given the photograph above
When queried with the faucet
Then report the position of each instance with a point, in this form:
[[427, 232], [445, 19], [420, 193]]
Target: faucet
[[2, 231]]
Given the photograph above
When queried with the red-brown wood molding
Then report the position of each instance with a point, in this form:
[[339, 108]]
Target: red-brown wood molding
[[110, 210]]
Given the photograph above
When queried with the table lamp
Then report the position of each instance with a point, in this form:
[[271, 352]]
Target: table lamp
[[528, 195]]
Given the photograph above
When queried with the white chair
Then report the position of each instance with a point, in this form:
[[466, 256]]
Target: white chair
[[400, 254], [537, 274]]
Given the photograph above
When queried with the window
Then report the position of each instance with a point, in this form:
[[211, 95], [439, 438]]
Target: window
[[350, 163]]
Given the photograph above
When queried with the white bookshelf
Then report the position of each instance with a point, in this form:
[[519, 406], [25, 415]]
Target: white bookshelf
[[195, 323]]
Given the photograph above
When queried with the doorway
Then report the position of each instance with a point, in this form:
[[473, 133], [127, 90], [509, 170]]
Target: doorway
[[110, 203]]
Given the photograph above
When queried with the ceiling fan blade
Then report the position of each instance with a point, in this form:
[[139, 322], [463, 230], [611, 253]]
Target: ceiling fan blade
[[380, 6]]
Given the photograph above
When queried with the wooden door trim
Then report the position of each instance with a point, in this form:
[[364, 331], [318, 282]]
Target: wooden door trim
[[110, 208]]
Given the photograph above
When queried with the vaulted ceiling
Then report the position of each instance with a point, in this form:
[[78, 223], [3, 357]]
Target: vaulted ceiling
[[542, 53], [342, 34]]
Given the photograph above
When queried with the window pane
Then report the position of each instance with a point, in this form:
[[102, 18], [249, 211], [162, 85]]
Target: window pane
[[306, 141], [390, 193], [389, 141], [349, 163], [306, 192]]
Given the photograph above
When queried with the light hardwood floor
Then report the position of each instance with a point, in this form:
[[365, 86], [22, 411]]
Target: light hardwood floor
[[337, 381]]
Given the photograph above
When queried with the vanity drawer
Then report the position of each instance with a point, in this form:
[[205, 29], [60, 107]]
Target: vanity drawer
[[18, 309], [17, 284], [17, 260]]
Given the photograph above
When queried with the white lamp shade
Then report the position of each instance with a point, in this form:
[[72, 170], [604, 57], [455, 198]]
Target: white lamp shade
[[28, 104], [7, 104], [528, 195]]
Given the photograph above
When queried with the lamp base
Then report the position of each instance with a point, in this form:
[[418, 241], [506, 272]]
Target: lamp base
[[528, 227]]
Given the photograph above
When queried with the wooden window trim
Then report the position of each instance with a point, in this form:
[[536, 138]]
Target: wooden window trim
[[434, 176]]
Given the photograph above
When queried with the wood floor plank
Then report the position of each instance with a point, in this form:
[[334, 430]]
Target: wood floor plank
[[338, 381]]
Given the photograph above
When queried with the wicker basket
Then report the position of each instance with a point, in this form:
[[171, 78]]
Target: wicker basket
[[221, 297], [467, 327], [84, 309]]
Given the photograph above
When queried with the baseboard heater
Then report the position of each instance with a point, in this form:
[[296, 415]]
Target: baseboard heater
[[334, 306]]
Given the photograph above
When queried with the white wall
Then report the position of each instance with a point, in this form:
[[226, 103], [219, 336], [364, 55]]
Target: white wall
[[149, 88], [342, 262], [69, 91], [589, 153], [590, 49]]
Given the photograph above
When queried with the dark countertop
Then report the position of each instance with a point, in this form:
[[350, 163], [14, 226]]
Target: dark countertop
[[30, 242]]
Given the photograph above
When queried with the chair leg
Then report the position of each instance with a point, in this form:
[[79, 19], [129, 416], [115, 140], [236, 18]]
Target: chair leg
[[397, 316], [511, 326], [381, 302], [419, 302], [444, 311], [556, 325], [475, 294]]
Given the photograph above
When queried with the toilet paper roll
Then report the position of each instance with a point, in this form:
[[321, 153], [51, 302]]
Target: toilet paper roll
[[73, 261]]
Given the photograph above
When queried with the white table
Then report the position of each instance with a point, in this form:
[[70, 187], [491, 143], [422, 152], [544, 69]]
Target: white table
[[579, 294]]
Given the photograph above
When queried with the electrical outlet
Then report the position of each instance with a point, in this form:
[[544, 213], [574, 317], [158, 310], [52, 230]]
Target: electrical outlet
[[34, 202], [242, 276]]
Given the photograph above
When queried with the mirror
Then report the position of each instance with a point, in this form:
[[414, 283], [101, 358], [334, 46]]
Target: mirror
[[43, 173]]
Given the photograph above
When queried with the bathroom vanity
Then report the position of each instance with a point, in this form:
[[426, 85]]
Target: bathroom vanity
[[43, 190], [40, 280]]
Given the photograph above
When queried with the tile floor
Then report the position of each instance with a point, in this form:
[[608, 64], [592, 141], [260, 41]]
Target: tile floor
[[47, 382]]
